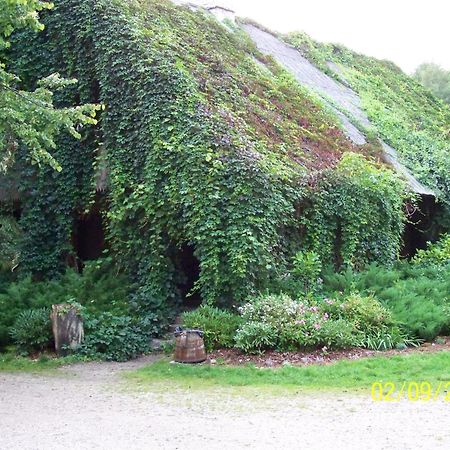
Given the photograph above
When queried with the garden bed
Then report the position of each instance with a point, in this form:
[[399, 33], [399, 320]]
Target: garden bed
[[275, 359]]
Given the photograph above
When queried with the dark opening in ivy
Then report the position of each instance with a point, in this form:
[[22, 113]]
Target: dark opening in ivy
[[421, 226], [189, 273], [89, 237]]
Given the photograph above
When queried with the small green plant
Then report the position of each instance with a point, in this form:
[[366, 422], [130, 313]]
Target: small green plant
[[219, 326], [114, 338], [255, 337], [437, 253], [32, 330], [168, 348], [306, 270]]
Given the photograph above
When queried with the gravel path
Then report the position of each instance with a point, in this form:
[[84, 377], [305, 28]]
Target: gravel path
[[86, 406]]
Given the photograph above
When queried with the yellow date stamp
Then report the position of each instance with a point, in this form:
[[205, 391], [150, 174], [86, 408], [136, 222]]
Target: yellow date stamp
[[414, 391]]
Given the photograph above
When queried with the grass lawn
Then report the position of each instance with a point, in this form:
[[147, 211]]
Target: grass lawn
[[358, 374], [9, 362]]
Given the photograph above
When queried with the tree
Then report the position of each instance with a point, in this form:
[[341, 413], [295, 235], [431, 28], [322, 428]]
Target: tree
[[30, 118], [436, 79]]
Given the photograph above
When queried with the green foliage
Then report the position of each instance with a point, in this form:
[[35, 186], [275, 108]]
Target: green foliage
[[278, 322], [417, 296], [32, 330], [349, 232], [366, 313], [255, 337], [29, 117], [306, 270], [219, 326], [189, 111], [115, 338], [99, 289], [9, 242], [15, 299], [436, 253], [371, 321], [17, 14], [435, 78], [407, 116]]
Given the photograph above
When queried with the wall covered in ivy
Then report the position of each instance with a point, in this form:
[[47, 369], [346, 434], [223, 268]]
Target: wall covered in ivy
[[207, 143]]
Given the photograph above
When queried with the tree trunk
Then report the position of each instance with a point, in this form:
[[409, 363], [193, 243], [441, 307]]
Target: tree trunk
[[68, 329]]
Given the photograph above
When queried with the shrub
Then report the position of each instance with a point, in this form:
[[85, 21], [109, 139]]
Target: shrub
[[115, 338], [339, 334], [437, 253], [306, 270], [254, 337], [277, 310], [417, 295], [365, 312], [32, 330], [288, 325], [219, 326], [98, 289], [15, 299]]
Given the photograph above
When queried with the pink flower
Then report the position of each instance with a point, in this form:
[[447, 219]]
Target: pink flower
[[325, 316], [328, 301], [317, 326], [314, 309], [300, 322]]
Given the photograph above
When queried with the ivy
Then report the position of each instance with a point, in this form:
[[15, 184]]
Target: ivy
[[203, 147], [406, 115], [353, 233]]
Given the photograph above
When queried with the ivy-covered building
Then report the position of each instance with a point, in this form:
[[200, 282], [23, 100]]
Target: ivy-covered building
[[223, 149]]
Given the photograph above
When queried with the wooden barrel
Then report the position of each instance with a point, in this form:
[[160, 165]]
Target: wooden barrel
[[189, 346]]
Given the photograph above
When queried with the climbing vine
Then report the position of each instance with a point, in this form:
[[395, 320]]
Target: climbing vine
[[356, 214], [406, 115], [206, 143]]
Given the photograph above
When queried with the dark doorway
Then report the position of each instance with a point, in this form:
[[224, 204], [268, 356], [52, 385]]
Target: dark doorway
[[421, 226], [89, 237], [188, 268]]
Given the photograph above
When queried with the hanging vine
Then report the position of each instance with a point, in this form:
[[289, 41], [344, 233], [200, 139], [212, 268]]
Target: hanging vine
[[202, 146]]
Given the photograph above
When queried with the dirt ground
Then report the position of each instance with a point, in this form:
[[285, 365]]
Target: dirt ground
[[86, 406], [305, 358]]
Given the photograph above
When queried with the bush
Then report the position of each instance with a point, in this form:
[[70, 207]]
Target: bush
[[15, 299], [98, 289], [32, 330], [288, 325], [219, 326], [115, 338], [340, 334], [437, 253], [254, 337], [417, 295], [365, 312]]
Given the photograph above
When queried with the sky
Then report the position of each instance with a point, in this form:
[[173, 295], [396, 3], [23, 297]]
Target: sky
[[407, 32]]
